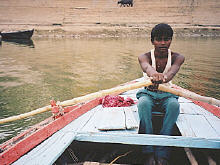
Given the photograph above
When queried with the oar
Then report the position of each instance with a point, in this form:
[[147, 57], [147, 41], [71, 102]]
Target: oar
[[118, 89], [190, 95]]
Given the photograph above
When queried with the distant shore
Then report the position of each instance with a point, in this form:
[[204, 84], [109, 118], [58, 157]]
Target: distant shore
[[122, 32], [59, 31], [103, 18]]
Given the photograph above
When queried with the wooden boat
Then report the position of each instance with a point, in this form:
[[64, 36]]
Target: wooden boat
[[89, 121], [26, 34]]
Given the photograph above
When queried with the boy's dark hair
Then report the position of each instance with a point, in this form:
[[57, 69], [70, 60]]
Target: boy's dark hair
[[160, 30]]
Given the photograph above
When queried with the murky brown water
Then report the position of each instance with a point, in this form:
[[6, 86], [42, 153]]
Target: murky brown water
[[61, 69]]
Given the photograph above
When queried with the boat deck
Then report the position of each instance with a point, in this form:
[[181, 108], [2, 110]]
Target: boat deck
[[199, 129]]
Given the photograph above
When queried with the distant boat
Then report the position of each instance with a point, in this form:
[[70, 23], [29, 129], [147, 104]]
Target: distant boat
[[26, 34]]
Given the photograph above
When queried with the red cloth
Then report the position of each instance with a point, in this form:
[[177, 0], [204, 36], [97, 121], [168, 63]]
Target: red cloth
[[116, 101]]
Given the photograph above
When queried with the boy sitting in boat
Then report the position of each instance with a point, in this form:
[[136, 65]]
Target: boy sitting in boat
[[159, 65]]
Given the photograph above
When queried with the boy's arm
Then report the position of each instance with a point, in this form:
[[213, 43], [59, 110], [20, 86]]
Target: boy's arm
[[178, 61], [156, 77], [144, 61]]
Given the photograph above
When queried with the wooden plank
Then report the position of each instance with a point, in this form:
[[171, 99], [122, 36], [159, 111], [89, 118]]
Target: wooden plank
[[90, 126], [112, 118], [210, 160], [195, 125], [184, 100], [126, 131], [215, 123], [49, 150], [203, 111], [190, 156], [130, 121], [146, 139], [191, 108], [184, 126], [135, 113], [204, 124]]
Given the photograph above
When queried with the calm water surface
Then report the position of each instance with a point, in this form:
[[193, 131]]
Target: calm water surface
[[61, 69]]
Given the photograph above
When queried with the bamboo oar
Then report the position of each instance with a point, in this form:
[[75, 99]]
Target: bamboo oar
[[189, 94], [119, 89], [81, 99]]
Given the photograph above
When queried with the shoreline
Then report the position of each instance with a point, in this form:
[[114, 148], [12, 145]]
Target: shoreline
[[112, 31], [118, 31]]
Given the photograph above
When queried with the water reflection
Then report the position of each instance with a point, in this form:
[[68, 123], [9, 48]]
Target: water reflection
[[22, 42], [62, 69]]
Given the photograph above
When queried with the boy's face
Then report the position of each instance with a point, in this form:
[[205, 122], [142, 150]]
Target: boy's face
[[162, 44]]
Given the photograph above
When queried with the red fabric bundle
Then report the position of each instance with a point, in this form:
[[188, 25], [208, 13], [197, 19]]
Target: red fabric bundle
[[116, 101]]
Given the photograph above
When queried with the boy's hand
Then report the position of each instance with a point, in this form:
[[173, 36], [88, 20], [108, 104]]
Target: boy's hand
[[158, 78]]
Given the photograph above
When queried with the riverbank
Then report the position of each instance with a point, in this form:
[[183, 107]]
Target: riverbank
[[104, 18]]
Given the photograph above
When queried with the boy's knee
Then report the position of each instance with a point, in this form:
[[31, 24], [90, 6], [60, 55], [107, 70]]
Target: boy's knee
[[173, 106], [144, 106], [144, 102]]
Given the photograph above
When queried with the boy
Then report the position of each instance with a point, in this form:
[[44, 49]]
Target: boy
[[160, 66]]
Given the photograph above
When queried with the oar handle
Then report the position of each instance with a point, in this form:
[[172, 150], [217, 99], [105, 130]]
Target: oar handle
[[118, 89]]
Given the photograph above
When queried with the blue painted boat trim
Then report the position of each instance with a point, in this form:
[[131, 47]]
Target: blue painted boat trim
[[144, 139]]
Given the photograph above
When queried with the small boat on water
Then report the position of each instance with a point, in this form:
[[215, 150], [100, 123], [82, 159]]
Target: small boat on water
[[84, 121], [25, 34]]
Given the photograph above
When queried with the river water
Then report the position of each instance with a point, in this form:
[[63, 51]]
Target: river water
[[31, 74]]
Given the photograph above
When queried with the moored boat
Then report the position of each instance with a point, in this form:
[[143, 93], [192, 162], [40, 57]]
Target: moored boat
[[89, 121], [25, 34]]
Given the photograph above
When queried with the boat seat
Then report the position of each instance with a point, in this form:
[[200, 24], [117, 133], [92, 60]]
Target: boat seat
[[158, 113]]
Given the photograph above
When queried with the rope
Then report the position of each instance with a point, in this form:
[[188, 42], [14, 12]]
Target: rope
[[125, 154]]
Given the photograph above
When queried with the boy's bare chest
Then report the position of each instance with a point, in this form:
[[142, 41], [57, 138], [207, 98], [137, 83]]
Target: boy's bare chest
[[161, 64]]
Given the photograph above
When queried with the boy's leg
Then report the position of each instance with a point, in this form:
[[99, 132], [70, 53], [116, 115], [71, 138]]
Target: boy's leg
[[171, 106], [145, 105]]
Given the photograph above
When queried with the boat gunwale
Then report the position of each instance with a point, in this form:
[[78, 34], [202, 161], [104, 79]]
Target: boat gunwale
[[13, 151], [25, 34], [148, 139]]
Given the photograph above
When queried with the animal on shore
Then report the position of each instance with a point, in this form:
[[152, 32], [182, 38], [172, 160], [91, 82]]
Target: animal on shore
[[125, 3]]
